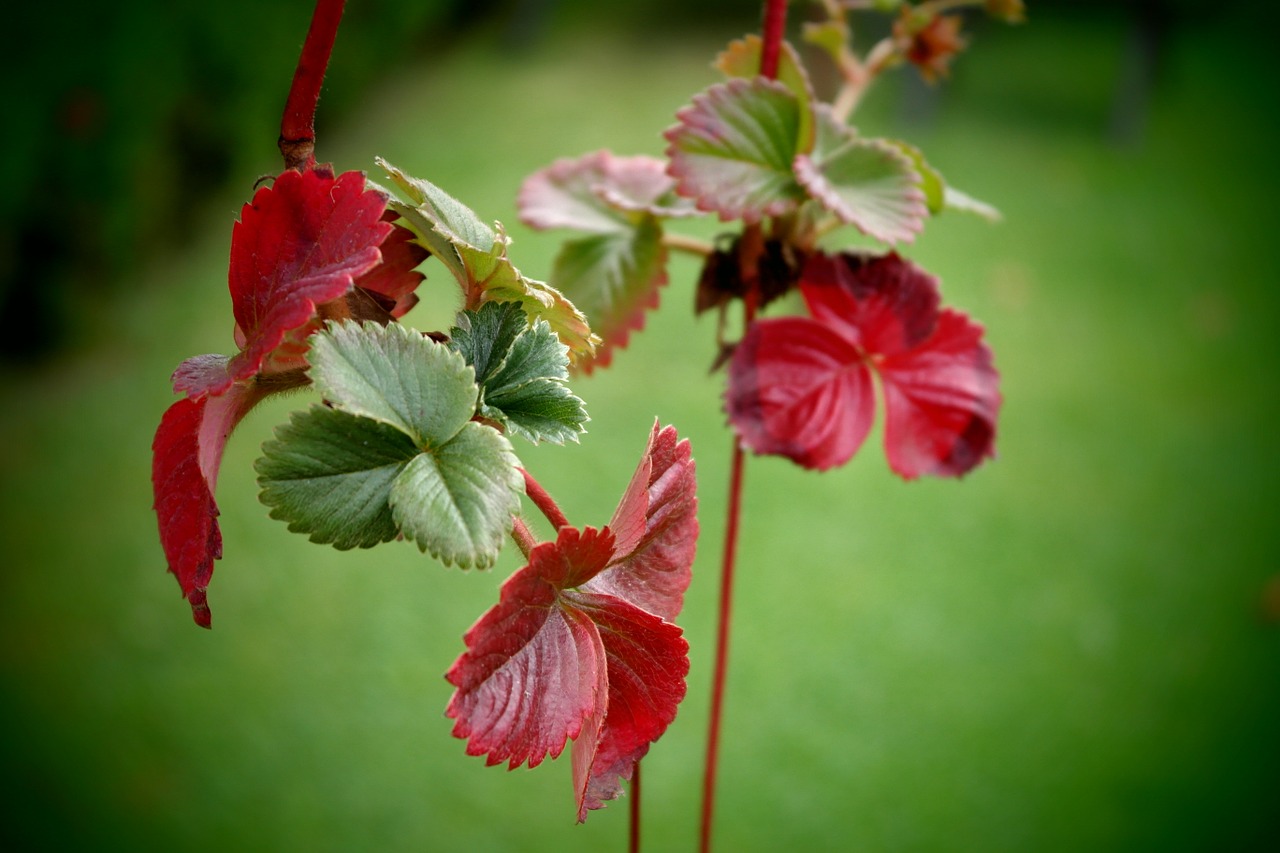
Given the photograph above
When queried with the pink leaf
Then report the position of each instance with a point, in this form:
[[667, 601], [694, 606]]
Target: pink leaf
[[656, 525], [186, 454], [941, 402], [596, 191], [299, 243], [798, 389]]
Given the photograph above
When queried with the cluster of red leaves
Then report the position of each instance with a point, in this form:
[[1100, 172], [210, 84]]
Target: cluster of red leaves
[[311, 247], [802, 387], [581, 644]]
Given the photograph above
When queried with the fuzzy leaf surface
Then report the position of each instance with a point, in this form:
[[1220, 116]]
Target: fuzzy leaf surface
[[329, 474], [457, 500], [733, 148], [521, 370], [397, 376]]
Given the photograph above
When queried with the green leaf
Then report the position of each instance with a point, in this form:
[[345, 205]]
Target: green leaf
[[868, 183], [733, 149], [476, 255], [329, 474], [394, 375], [614, 278], [931, 181], [742, 59], [957, 200], [441, 222], [457, 501], [528, 393], [484, 337], [523, 369]]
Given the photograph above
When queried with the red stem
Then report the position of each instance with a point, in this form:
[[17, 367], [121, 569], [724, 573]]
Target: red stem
[[543, 501], [751, 247], [722, 645], [633, 840], [298, 124], [775, 22]]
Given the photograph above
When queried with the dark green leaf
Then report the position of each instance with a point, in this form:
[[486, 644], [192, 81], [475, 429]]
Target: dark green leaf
[[329, 474]]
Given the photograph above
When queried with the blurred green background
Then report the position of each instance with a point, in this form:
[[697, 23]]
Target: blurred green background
[[1076, 647]]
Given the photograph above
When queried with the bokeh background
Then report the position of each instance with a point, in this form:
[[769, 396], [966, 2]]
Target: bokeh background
[[1075, 647]]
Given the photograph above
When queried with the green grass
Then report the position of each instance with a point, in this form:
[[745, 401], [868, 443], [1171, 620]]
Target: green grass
[[1063, 651]]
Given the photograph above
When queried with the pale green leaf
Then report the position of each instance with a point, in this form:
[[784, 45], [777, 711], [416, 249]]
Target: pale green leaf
[[394, 375], [457, 501], [733, 148]]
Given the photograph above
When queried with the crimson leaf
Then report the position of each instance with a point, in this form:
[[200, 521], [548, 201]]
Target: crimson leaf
[[572, 651], [801, 387], [186, 454]]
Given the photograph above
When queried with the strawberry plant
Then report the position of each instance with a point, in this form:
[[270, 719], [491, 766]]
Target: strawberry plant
[[412, 437]]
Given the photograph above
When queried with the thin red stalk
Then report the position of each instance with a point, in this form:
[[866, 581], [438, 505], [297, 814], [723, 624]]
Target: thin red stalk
[[298, 124], [775, 20], [543, 501], [722, 645], [633, 840]]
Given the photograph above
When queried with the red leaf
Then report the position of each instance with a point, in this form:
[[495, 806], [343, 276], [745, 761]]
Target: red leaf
[[801, 388], [578, 646], [396, 277], [299, 243], [798, 389], [186, 454], [941, 401], [534, 669], [656, 525], [648, 660], [884, 305]]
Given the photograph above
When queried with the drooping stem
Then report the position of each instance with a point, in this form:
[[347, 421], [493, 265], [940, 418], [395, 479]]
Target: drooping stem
[[543, 501], [298, 124]]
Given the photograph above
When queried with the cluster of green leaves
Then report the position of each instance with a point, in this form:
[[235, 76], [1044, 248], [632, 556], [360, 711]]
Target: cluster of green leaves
[[411, 439]]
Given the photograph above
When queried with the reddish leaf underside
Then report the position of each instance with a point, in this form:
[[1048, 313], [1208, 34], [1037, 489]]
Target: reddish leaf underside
[[186, 454], [798, 389], [534, 669], [647, 660], [301, 242], [801, 387], [579, 645]]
